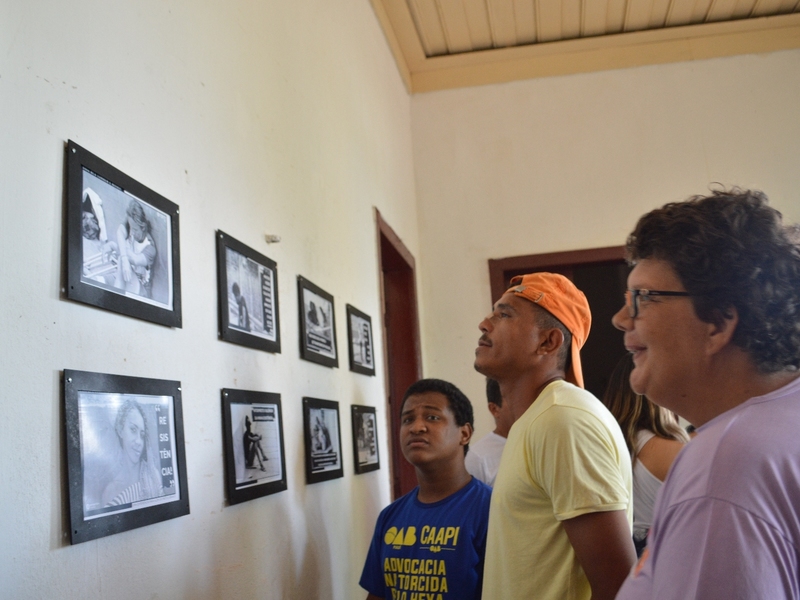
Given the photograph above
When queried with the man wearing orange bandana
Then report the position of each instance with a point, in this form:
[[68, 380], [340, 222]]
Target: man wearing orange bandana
[[561, 512]]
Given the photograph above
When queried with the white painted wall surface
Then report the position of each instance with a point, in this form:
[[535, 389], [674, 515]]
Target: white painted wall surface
[[286, 118], [568, 163]]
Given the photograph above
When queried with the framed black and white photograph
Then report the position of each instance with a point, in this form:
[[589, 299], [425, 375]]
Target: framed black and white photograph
[[255, 463], [323, 440], [122, 242], [125, 453], [359, 335], [248, 296], [317, 324], [365, 439]]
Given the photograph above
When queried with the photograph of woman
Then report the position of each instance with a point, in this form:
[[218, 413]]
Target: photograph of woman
[[135, 477]]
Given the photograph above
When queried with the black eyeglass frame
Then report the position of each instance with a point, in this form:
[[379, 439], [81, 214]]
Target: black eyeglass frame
[[632, 298]]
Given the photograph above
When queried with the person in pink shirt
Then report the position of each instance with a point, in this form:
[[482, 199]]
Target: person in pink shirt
[[712, 319]]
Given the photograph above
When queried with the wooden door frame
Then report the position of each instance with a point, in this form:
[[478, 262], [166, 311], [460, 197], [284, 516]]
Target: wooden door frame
[[559, 262], [400, 471]]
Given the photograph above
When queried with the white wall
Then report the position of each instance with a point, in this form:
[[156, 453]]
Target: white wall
[[567, 163], [254, 117]]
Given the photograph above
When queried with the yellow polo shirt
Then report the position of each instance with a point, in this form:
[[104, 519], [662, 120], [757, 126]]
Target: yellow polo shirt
[[565, 457]]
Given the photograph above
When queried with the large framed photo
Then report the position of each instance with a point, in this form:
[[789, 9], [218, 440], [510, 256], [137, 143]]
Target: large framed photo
[[323, 440], [125, 453], [255, 463], [122, 245], [359, 335], [248, 296], [365, 439], [317, 324]]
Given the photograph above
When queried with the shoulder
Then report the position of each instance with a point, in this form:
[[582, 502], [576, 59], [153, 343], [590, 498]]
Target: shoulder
[[569, 408]]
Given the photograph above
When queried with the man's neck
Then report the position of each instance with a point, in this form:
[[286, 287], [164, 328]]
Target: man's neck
[[522, 391], [435, 485]]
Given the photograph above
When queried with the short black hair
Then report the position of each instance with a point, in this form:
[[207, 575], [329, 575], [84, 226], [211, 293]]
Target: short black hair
[[459, 404], [493, 392], [731, 250], [547, 320]]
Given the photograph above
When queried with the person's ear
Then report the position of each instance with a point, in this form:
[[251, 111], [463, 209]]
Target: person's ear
[[720, 331], [551, 340], [494, 409], [466, 433]]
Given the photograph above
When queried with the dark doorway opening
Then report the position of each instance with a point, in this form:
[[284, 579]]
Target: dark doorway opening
[[401, 339], [599, 273]]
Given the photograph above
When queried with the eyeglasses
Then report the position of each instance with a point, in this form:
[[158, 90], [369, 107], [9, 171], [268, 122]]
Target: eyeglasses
[[634, 297]]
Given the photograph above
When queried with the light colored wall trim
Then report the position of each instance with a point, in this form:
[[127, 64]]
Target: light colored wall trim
[[674, 44]]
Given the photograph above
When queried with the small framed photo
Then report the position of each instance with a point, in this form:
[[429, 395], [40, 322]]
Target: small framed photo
[[122, 245], [125, 453], [248, 296], [255, 463], [365, 439], [323, 440], [359, 335], [317, 324]]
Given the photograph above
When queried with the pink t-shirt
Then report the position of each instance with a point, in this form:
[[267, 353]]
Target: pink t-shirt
[[727, 520]]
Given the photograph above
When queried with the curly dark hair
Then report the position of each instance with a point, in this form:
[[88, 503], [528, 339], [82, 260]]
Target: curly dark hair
[[731, 250], [458, 402]]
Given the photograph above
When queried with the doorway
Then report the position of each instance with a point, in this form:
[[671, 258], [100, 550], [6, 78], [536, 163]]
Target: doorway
[[601, 274], [401, 341]]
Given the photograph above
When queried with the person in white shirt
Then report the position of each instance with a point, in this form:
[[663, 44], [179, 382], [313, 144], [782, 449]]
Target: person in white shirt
[[484, 455]]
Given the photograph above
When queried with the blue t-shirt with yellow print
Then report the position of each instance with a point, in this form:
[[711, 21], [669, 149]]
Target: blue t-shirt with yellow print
[[430, 551]]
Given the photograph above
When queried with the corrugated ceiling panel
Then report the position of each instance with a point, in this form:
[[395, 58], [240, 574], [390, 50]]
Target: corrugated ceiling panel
[[701, 8], [658, 13], [454, 25], [525, 19], [680, 12], [637, 16], [570, 19], [721, 10], [615, 17], [548, 20], [766, 7], [501, 20], [478, 20], [594, 17], [426, 18], [744, 8]]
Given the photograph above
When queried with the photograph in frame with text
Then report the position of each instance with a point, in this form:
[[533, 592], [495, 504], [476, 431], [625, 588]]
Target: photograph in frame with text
[[126, 460], [247, 284], [322, 440], [359, 336], [122, 242], [317, 324], [365, 439], [255, 463]]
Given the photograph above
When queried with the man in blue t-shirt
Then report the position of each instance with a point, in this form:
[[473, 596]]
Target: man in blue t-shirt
[[430, 543]]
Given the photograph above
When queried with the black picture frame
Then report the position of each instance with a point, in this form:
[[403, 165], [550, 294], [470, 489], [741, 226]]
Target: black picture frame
[[118, 428], [322, 440], [101, 237], [360, 346], [253, 434], [317, 324], [365, 439], [251, 317]]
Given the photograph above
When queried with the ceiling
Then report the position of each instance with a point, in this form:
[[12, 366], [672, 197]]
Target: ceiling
[[441, 44]]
